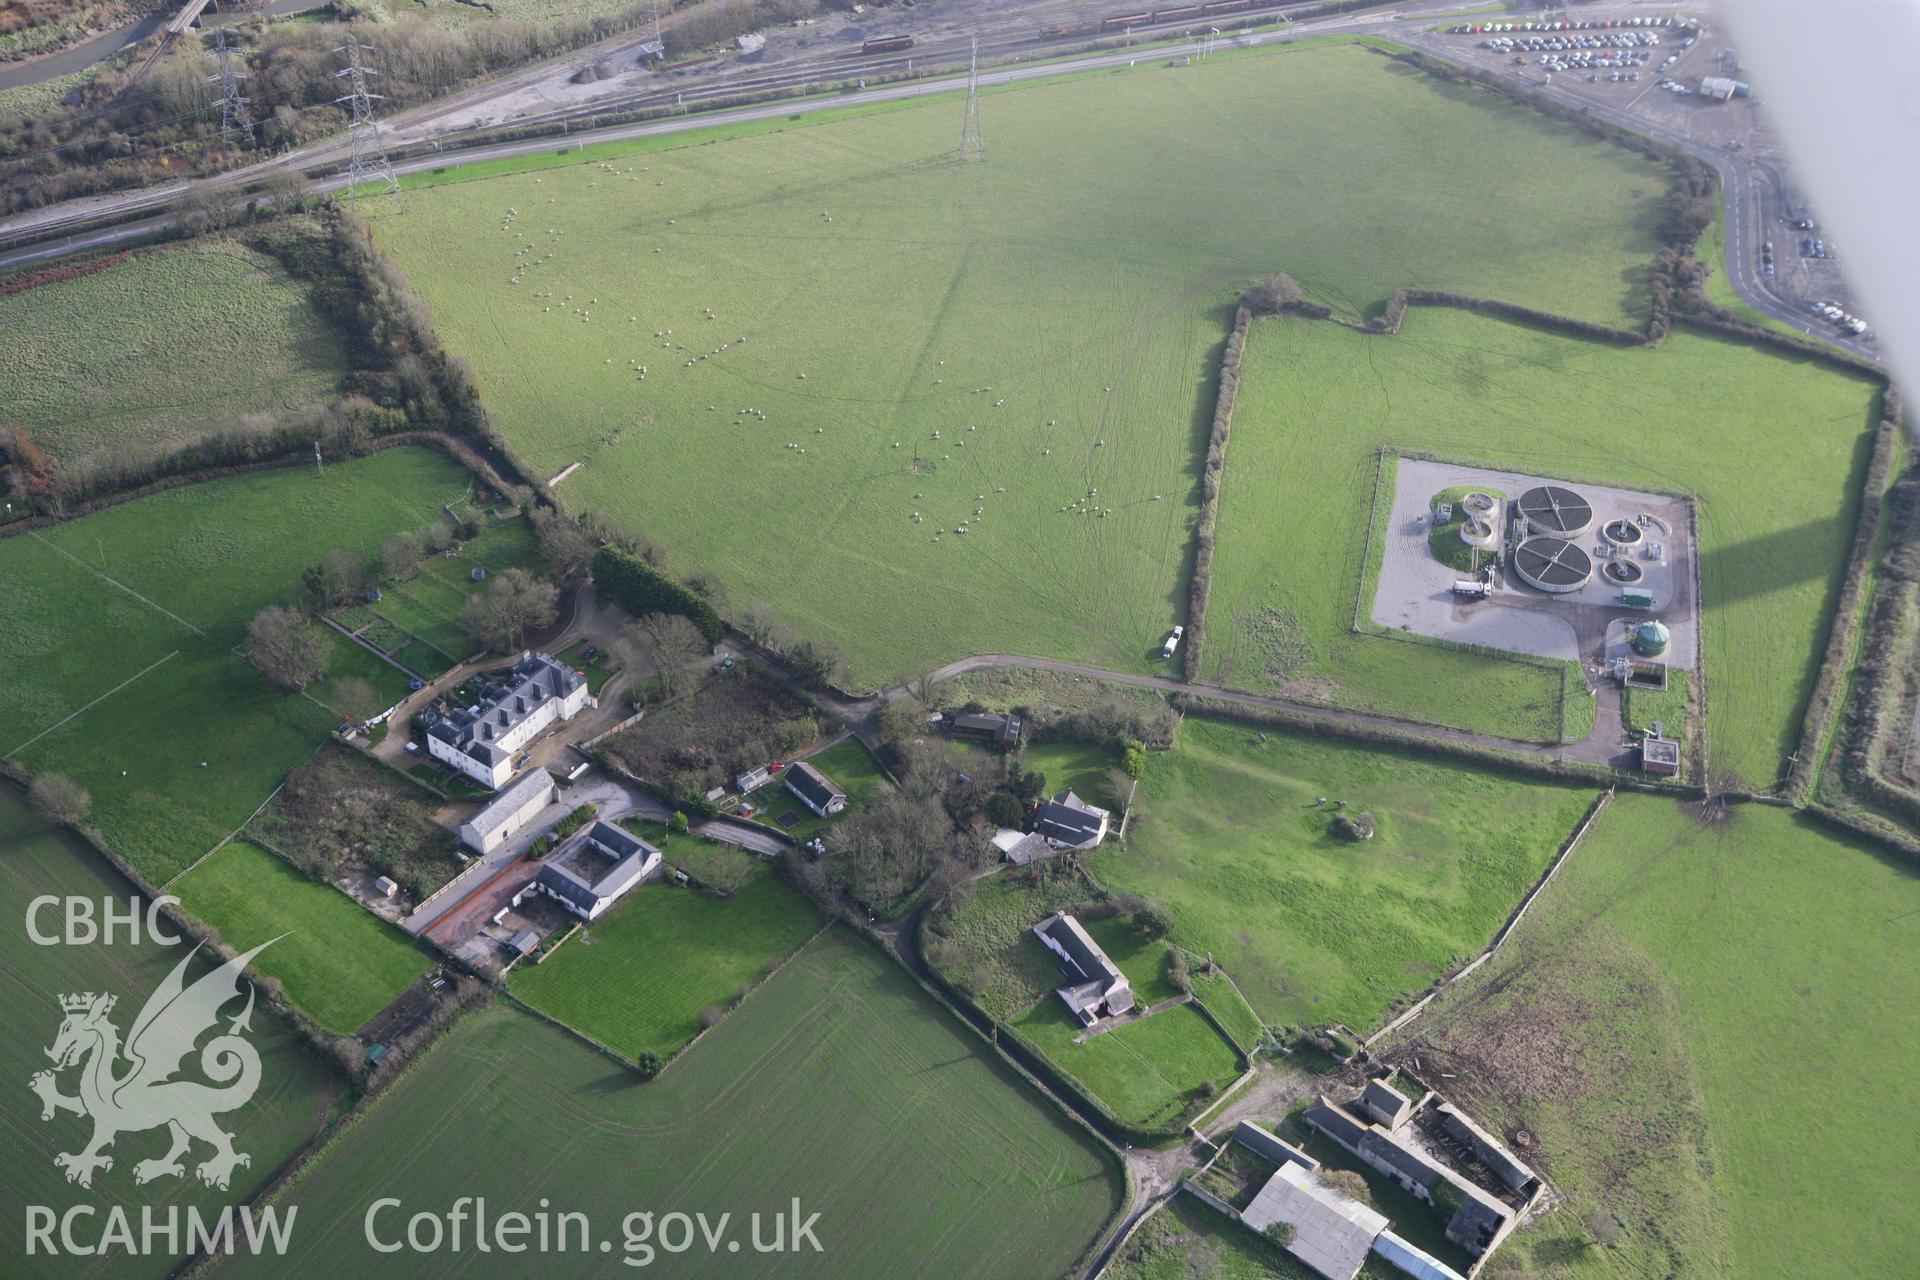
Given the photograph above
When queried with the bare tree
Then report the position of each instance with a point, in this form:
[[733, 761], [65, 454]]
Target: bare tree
[[401, 555], [567, 544], [288, 650], [353, 698], [671, 644], [58, 798], [901, 719], [513, 604], [758, 621], [338, 577]]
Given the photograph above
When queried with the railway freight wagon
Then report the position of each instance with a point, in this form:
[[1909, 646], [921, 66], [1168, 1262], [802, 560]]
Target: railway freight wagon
[[887, 44], [1186, 13]]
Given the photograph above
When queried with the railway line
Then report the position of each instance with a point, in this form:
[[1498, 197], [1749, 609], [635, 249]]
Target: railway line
[[1030, 32]]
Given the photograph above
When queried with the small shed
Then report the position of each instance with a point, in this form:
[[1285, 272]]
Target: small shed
[[752, 779], [1659, 755], [523, 943], [386, 886]]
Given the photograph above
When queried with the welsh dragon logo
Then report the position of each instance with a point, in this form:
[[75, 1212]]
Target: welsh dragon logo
[[145, 1093]]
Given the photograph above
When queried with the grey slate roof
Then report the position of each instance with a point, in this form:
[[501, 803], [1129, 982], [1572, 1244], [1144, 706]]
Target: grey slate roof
[[533, 681], [1030, 848], [1068, 819], [1384, 1101], [510, 799], [560, 877], [1335, 1123], [1098, 977], [813, 785]]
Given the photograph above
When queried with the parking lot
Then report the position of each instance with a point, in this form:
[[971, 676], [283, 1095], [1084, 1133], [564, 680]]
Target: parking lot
[[1595, 58]]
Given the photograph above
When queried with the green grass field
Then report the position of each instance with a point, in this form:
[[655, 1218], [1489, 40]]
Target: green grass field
[[295, 1098], [1316, 929], [1086, 274], [838, 1082], [639, 978], [1775, 448], [1700, 1025], [1146, 1072], [337, 960], [153, 353], [119, 630], [1225, 1002]]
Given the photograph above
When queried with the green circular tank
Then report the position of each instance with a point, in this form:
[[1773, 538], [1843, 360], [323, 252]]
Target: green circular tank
[[1650, 639]]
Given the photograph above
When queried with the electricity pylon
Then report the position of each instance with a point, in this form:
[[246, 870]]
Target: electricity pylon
[[234, 117], [971, 146], [368, 155]]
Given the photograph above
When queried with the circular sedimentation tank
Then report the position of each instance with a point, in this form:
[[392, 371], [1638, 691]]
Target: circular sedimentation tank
[[1624, 572], [1623, 533], [1556, 511], [1479, 505], [1552, 564], [1650, 639], [1476, 532]]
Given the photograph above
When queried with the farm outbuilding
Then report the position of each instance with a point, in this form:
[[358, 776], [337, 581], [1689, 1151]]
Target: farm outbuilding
[[1332, 1233], [1097, 988], [596, 868], [509, 811]]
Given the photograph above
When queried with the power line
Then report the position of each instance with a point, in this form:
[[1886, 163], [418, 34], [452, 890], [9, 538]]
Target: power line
[[368, 156], [656, 47], [234, 117], [971, 146]]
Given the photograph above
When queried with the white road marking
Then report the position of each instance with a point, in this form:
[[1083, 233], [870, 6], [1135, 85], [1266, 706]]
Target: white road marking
[[35, 534], [90, 706]]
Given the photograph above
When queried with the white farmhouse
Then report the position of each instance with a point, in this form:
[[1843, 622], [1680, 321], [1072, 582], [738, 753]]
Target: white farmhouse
[[480, 740]]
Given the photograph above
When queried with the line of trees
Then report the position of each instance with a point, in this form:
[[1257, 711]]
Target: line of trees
[[641, 589]]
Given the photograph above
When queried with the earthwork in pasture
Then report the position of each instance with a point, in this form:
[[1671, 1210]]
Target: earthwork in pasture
[[732, 339]]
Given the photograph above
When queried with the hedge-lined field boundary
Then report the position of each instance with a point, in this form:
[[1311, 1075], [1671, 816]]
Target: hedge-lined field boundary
[[1203, 534], [1823, 703]]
